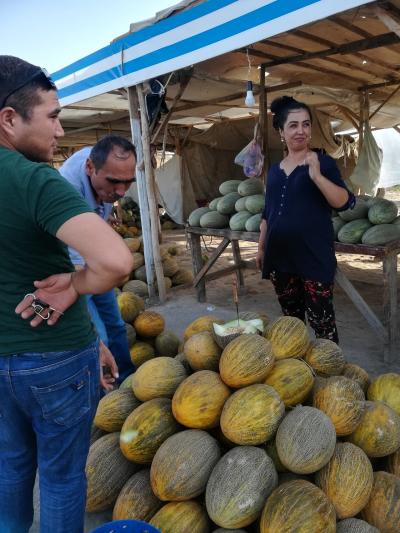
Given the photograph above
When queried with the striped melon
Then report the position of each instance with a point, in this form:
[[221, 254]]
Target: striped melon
[[136, 501], [298, 506], [237, 222], [394, 463], [238, 486], [386, 388], [246, 360], [355, 525], [149, 324], [347, 479], [252, 415], [289, 337], [158, 378], [130, 334], [141, 352], [199, 399], [383, 507], [226, 206], [202, 352], [181, 517], [107, 471], [213, 204], [146, 428], [325, 357], [128, 306], [358, 374], [167, 343], [214, 219], [113, 409], [202, 323], [255, 203], [183, 464], [305, 440], [292, 379], [240, 204], [343, 401], [378, 433]]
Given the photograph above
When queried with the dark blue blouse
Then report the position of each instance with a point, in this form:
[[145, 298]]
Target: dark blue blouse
[[299, 228]]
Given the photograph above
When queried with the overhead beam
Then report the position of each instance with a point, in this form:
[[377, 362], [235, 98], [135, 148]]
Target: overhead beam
[[392, 22], [308, 66], [348, 48], [329, 44]]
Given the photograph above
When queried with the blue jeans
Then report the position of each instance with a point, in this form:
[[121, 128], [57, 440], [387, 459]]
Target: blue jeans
[[110, 327], [47, 404]]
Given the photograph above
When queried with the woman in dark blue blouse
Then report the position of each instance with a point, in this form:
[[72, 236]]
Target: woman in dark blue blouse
[[296, 246]]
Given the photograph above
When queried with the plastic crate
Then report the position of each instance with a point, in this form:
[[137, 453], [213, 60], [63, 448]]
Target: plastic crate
[[126, 526]]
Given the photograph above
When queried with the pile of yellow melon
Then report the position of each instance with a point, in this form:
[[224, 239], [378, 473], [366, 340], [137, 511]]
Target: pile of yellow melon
[[274, 433]]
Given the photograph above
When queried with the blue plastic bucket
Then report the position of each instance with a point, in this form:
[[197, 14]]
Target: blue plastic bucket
[[126, 526]]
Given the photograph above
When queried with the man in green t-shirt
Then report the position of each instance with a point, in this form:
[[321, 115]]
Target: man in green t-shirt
[[49, 361]]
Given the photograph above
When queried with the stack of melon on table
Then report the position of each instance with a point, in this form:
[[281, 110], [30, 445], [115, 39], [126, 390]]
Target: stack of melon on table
[[239, 208], [174, 273], [373, 221], [251, 427]]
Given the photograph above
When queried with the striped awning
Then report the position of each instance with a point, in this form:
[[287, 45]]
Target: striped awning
[[201, 32]]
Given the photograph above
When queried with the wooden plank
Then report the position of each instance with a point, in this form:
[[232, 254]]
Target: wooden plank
[[361, 305], [229, 234], [213, 257], [142, 190], [221, 273], [390, 304], [237, 260], [197, 262], [348, 48], [151, 195]]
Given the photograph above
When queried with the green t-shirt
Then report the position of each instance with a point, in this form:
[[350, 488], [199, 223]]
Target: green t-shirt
[[35, 200]]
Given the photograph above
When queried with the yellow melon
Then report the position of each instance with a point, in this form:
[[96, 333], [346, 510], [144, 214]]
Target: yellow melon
[[386, 388], [158, 378], [289, 337], [383, 507], [292, 379], [202, 323], [202, 352], [149, 324]]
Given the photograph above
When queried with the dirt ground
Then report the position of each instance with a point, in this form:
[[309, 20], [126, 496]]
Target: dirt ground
[[358, 341]]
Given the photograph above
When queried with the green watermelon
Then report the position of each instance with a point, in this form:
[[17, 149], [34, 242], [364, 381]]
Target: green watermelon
[[360, 210], [194, 217], [253, 223], [226, 206], [251, 186], [214, 220], [255, 203], [229, 186], [213, 204], [237, 222], [337, 224], [381, 234], [240, 204], [382, 212], [352, 232]]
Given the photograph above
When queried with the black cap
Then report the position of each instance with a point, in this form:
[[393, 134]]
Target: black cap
[[21, 77]]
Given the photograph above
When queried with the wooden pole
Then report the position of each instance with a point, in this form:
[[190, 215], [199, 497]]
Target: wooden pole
[[151, 195], [263, 119], [142, 190]]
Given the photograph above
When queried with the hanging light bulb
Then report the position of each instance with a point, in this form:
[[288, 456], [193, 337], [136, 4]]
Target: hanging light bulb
[[249, 100]]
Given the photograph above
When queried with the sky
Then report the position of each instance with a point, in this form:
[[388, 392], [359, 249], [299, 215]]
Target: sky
[[55, 33]]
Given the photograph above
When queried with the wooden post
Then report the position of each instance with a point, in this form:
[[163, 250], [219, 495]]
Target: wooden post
[[151, 195], [362, 121], [390, 304], [263, 118], [142, 190], [197, 262]]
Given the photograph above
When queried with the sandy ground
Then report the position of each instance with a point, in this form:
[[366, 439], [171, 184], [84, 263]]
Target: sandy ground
[[358, 341]]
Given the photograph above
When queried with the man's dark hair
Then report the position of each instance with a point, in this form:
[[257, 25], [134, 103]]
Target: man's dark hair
[[282, 106], [101, 150], [20, 82]]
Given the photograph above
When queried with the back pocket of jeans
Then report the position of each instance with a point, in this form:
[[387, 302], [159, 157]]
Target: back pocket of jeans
[[67, 401]]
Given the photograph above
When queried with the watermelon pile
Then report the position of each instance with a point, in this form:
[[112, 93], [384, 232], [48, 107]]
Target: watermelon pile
[[273, 433], [373, 221], [239, 207]]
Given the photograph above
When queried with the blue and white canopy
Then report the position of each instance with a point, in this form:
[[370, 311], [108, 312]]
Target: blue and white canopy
[[201, 31]]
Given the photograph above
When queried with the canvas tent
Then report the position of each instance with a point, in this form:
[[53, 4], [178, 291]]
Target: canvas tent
[[326, 53]]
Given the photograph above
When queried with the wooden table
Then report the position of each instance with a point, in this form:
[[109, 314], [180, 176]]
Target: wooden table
[[386, 331]]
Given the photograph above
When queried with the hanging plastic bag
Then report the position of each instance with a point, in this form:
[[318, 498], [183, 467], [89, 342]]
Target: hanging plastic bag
[[251, 157]]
